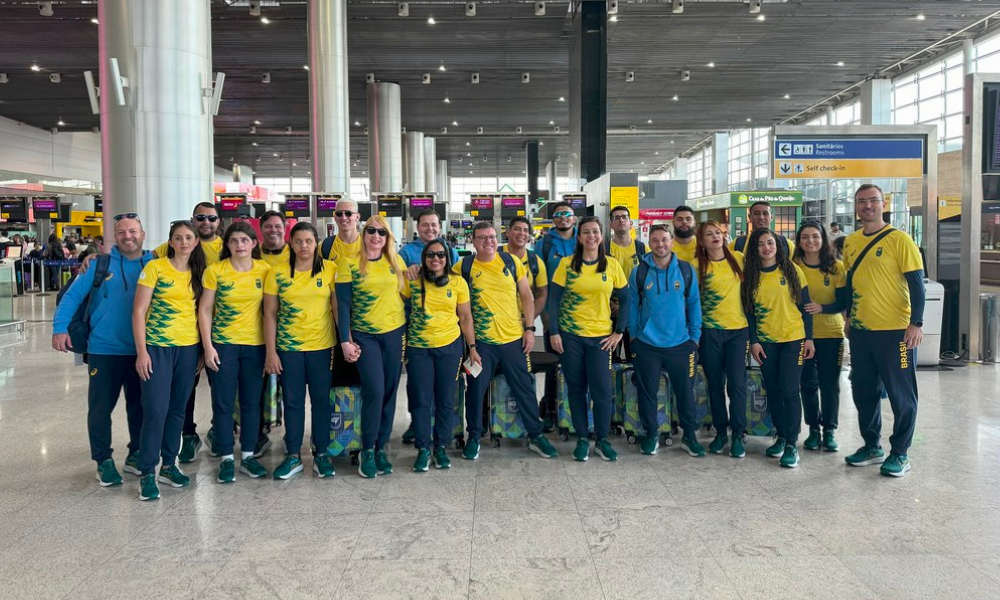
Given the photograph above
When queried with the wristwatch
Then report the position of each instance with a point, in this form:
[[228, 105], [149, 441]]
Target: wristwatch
[[472, 346], [531, 328], [918, 323]]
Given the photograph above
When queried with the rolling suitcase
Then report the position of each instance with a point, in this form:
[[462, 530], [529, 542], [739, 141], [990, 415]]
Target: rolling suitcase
[[345, 422], [618, 397], [702, 409], [505, 419], [632, 424], [758, 419]]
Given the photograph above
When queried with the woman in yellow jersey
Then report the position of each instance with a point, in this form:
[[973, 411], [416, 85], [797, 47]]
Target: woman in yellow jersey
[[774, 295], [165, 326], [370, 292], [580, 330], [827, 279], [298, 333], [230, 318], [725, 336], [440, 316]]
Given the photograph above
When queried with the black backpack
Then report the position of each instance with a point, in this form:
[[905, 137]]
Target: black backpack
[[532, 262], [326, 248], [79, 325]]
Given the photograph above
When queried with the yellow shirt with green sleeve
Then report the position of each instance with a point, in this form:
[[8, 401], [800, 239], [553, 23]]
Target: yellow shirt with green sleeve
[[777, 316], [376, 301], [495, 301], [433, 312], [721, 306], [172, 318], [585, 309], [305, 317], [239, 296], [823, 290]]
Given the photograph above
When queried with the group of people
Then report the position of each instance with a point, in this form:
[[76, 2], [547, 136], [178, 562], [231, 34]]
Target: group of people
[[246, 308]]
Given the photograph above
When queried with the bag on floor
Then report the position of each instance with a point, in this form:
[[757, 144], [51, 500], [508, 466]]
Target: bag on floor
[[345, 420], [758, 418], [564, 414], [505, 419], [633, 424], [618, 397], [702, 409]]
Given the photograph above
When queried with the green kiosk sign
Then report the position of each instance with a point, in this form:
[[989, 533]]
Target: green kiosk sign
[[735, 205]]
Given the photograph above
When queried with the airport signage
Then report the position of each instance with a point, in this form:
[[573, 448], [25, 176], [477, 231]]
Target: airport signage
[[847, 157]]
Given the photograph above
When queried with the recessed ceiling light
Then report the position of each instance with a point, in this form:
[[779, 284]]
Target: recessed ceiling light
[[256, 122], [295, 164], [306, 67], [657, 153], [787, 97], [921, 17], [275, 154], [454, 123], [614, 18], [642, 163], [431, 21], [552, 122], [357, 123], [468, 143], [441, 68], [749, 119], [675, 98], [447, 100], [761, 18], [95, 21], [840, 63], [541, 143], [711, 65], [265, 20], [468, 154], [61, 123], [255, 144], [35, 68], [671, 141], [649, 121], [470, 172]]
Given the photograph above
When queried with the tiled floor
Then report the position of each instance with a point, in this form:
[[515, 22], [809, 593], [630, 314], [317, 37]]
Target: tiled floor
[[511, 525]]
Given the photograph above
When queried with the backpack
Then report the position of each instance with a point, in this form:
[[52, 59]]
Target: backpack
[[326, 248], [79, 325], [546, 247], [532, 262], [508, 261], [642, 270], [640, 248], [741, 243]]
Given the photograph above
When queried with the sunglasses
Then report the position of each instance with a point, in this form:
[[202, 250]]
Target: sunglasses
[[377, 231], [209, 218], [344, 213], [181, 222], [126, 216], [437, 254], [562, 215]]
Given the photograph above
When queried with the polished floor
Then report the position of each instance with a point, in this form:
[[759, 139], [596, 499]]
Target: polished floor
[[510, 525]]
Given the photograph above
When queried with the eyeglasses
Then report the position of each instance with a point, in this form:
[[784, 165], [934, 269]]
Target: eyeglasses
[[344, 213], [125, 216], [563, 214], [377, 231], [486, 238], [620, 217], [209, 218], [437, 254]]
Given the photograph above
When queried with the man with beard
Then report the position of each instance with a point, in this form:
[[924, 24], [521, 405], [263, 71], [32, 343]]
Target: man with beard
[[627, 252], [760, 216], [684, 242], [558, 243]]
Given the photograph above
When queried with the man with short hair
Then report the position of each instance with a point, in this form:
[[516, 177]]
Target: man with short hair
[[759, 216], [835, 231], [497, 281], [273, 248], [684, 228], [347, 242], [518, 237], [627, 252], [206, 221], [885, 287], [111, 353]]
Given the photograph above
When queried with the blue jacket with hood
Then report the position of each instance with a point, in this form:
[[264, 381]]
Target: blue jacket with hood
[[553, 248], [670, 314]]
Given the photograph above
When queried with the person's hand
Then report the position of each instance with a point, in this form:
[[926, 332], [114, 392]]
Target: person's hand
[[413, 272], [814, 308], [61, 342], [611, 342], [85, 263], [808, 349], [528, 341], [913, 336], [757, 352], [211, 359], [474, 356], [556, 342], [272, 365], [352, 351], [144, 366]]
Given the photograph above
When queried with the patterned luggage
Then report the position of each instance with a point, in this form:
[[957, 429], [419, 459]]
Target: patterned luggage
[[758, 420], [563, 413], [633, 425], [271, 399], [702, 409], [345, 422], [618, 397], [505, 420]]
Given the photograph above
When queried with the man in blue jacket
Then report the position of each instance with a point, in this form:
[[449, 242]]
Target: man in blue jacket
[[664, 322], [111, 346]]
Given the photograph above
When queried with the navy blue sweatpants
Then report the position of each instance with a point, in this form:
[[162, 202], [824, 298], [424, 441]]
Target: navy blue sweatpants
[[510, 359], [164, 397], [679, 361], [434, 374], [880, 361], [240, 369], [108, 375], [586, 366], [821, 384], [782, 371], [380, 365], [723, 354], [299, 370]]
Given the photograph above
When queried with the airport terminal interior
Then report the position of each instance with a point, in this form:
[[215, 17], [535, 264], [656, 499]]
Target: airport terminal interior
[[116, 110]]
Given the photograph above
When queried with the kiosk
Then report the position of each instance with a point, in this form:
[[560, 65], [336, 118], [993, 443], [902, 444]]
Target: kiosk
[[732, 209]]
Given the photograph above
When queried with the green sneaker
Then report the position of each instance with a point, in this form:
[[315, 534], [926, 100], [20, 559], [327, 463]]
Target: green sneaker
[[323, 466], [777, 449], [409, 436], [548, 425], [210, 440], [173, 476], [582, 451], [366, 467], [541, 446], [292, 465], [250, 467], [423, 462], [896, 465], [649, 444], [132, 465], [603, 449], [107, 474], [471, 451], [736, 450], [790, 457], [812, 442], [829, 441], [866, 455], [441, 460], [262, 446], [190, 444], [689, 443], [382, 462], [148, 489], [227, 471], [718, 445]]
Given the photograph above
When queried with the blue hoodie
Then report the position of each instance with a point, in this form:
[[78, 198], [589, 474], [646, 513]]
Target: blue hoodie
[[110, 306], [411, 251], [670, 315], [553, 248]]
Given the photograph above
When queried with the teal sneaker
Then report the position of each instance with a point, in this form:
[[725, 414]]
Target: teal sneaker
[[649, 444], [366, 466], [292, 465], [423, 462], [777, 449], [541, 446], [148, 489], [548, 425], [173, 476], [250, 467], [830, 441], [210, 440], [409, 436], [441, 460], [603, 449], [737, 450], [382, 462], [227, 471], [582, 451], [262, 446], [866, 455], [323, 466], [812, 442], [718, 445], [897, 465], [689, 443], [190, 444], [790, 457], [471, 450], [132, 465], [107, 474]]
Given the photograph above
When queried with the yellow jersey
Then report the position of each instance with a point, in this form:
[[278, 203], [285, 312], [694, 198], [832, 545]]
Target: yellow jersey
[[341, 249], [239, 297], [305, 317], [778, 317], [880, 297], [685, 252], [823, 290], [625, 256], [172, 318], [212, 250], [275, 260], [433, 312], [535, 282], [376, 304], [721, 307], [495, 305], [585, 309]]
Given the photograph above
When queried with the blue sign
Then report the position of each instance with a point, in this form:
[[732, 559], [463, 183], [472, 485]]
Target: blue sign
[[852, 149]]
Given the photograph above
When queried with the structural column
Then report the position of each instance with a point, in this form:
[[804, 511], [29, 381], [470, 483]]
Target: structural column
[[156, 147], [443, 183], [720, 163], [430, 165], [588, 92], [531, 170], [385, 144], [413, 161]]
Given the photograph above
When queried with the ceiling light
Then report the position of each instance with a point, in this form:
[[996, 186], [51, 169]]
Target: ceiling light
[[921, 17], [614, 18], [541, 143], [431, 21], [256, 122], [657, 153], [711, 65], [363, 173], [95, 21], [61, 123], [295, 164], [35, 68], [357, 123], [255, 144], [671, 141], [787, 97], [675, 98], [306, 67], [468, 143], [562, 98], [265, 20], [441, 68], [454, 123], [468, 154], [275, 155], [649, 121], [552, 122], [840, 63], [761, 18], [749, 119], [447, 100], [470, 172]]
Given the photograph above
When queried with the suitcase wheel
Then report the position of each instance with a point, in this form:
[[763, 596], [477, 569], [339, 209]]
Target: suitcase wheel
[[619, 430], [746, 437], [630, 438], [496, 442], [459, 443], [667, 440], [354, 458], [564, 435]]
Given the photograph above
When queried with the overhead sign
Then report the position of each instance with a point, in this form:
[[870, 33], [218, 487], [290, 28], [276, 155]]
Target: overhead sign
[[390, 206], [99, 204], [228, 205], [847, 157], [512, 206], [656, 214], [627, 197], [297, 205], [14, 208], [577, 201], [783, 198], [45, 208], [326, 204], [419, 203], [481, 207]]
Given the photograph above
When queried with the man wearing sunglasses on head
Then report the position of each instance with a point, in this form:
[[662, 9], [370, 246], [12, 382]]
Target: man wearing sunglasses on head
[[347, 242]]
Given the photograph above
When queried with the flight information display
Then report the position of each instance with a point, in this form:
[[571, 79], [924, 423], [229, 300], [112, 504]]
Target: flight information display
[[482, 207], [229, 205], [45, 208], [14, 209], [512, 206], [390, 206], [297, 206], [326, 205]]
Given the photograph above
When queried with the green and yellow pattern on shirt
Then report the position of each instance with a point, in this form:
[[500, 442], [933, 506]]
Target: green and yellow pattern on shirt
[[212, 250], [305, 317], [585, 309], [625, 256], [433, 313], [172, 319], [341, 250], [823, 290], [536, 282], [721, 307], [376, 303], [274, 260], [495, 304], [239, 296], [881, 298], [778, 317]]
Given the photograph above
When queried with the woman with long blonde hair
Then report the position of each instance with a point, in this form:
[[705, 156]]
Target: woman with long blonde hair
[[372, 319]]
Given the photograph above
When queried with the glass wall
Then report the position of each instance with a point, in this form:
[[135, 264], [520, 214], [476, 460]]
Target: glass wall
[[700, 173]]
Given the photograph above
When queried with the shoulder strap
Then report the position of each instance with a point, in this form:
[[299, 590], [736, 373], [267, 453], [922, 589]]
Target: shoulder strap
[[640, 248], [640, 279], [467, 269], [607, 245], [508, 261], [687, 274], [101, 267], [788, 247], [741, 243], [861, 257], [546, 246], [327, 247], [532, 263]]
